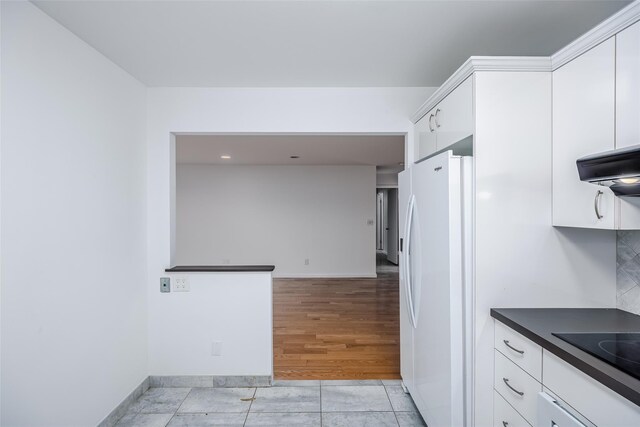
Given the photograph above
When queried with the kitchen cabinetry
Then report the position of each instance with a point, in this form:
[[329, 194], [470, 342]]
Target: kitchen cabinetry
[[628, 87], [517, 387], [596, 108], [583, 123], [447, 123], [517, 375], [591, 399]]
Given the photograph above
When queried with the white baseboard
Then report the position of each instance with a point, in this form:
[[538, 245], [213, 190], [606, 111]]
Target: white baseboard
[[325, 276]]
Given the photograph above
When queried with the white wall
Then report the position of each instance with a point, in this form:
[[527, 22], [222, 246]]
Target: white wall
[[73, 226], [231, 308], [278, 215], [520, 259], [248, 110]]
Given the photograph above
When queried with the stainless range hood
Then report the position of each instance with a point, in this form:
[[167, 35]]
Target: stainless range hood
[[618, 169]]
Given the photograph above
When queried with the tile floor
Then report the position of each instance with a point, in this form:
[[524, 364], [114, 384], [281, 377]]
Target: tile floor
[[287, 403]]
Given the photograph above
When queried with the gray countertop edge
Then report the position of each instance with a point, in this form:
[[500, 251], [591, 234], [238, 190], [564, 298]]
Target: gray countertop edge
[[220, 268], [606, 374]]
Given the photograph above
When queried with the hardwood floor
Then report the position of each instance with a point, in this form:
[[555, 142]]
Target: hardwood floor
[[336, 328]]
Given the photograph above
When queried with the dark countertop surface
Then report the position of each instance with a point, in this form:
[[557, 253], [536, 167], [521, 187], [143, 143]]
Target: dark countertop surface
[[219, 268], [538, 324]]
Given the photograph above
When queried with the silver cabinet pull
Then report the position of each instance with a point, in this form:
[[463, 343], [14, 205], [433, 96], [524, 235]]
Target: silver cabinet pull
[[436, 117], [505, 424], [431, 129], [506, 381], [506, 342], [596, 204]]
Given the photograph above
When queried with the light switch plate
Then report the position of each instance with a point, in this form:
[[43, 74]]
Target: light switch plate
[[181, 284], [165, 284]]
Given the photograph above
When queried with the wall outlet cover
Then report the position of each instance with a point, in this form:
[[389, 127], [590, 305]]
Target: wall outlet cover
[[165, 284], [216, 348], [181, 284]]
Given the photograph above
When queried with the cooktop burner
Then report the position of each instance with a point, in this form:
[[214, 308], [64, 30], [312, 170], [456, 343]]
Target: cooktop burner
[[621, 350]]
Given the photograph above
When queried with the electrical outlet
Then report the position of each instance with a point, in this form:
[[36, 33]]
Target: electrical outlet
[[306, 261], [370, 222], [216, 348], [165, 284], [181, 284]]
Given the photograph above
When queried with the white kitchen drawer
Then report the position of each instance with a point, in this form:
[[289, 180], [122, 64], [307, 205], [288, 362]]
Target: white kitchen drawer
[[598, 403], [516, 386], [505, 415], [520, 350]]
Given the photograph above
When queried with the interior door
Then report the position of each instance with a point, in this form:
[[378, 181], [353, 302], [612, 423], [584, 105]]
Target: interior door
[[392, 225], [406, 328], [438, 292]]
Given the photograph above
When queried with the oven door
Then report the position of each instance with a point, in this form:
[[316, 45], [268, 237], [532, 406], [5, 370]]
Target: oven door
[[552, 413]]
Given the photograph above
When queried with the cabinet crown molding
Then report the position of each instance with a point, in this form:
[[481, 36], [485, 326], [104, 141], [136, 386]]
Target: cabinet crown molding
[[606, 29], [482, 63]]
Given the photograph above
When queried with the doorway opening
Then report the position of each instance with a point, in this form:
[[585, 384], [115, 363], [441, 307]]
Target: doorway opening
[[304, 204]]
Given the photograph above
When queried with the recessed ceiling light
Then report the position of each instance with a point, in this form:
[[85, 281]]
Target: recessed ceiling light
[[294, 157], [225, 157]]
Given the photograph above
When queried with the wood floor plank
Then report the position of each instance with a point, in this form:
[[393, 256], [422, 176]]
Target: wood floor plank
[[336, 328]]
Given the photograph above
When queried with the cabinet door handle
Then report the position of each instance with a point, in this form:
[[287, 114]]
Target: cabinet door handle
[[506, 381], [506, 342], [596, 204], [431, 129], [436, 117]]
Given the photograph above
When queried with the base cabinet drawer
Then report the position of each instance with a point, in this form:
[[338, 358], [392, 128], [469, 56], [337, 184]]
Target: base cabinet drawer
[[599, 404], [517, 387], [520, 350], [504, 415]]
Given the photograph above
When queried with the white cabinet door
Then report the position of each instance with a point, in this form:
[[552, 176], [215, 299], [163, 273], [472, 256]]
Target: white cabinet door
[[628, 87], [583, 123], [425, 135], [628, 111], [453, 117]]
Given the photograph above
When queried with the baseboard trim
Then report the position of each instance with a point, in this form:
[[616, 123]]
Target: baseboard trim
[[219, 381], [327, 276], [115, 415]]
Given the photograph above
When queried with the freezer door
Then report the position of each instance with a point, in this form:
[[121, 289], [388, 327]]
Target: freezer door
[[438, 388], [406, 328]]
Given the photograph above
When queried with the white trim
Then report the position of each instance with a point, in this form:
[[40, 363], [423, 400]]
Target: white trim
[[606, 29], [482, 63], [327, 276]]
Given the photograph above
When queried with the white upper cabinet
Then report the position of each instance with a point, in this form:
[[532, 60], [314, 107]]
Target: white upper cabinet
[[453, 117], [628, 86], [426, 135], [447, 123], [583, 123], [628, 112]]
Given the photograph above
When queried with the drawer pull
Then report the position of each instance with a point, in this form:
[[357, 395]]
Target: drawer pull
[[505, 424], [506, 342], [506, 381]]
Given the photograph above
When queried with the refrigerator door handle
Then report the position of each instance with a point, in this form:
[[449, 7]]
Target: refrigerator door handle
[[407, 262]]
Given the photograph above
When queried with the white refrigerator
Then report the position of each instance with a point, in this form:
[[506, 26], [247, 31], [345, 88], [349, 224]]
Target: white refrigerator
[[436, 288]]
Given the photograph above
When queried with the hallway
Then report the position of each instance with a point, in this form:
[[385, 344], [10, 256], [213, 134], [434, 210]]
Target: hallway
[[337, 328]]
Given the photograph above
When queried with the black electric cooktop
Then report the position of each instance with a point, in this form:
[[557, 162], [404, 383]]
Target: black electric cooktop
[[621, 350]]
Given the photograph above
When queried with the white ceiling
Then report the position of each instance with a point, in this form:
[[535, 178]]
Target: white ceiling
[[318, 43], [379, 150]]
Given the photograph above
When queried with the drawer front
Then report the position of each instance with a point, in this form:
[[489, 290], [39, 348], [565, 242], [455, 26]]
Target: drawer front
[[516, 386], [520, 350], [504, 415], [601, 405]]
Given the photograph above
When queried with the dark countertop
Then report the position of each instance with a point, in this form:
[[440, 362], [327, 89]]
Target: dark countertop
[[538, 324], [219, 268]]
